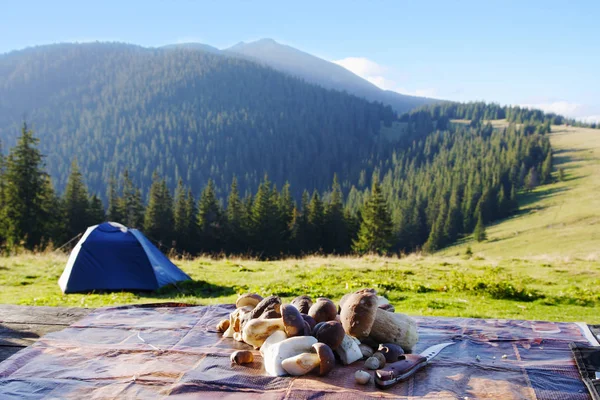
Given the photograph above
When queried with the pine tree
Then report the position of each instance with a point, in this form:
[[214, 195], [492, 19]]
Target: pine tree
[[236, 235], [266, 237], [211, 222], [26, 192], [316, 221], [179, 215], [479, 232], [375, 234], [114, 213], [131, 206], [158, 219], [532, 179], [546, 176], [76, 203], [95, 210], [336, 231]]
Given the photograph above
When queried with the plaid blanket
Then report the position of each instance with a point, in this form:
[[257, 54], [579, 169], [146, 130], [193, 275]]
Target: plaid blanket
[[175, 351]]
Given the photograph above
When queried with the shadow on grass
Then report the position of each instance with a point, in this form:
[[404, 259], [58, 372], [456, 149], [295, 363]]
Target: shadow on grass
[[200, 289], [527, 199]]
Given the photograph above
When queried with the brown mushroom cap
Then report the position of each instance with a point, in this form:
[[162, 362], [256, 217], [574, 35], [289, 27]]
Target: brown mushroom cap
[[311, 321], [358, 313], [391, 351], [273, 302], [292, 320], [323, 310], [387, 307], [302, 303], [329, 332], [307, 329], [248, 299], [326, 358]]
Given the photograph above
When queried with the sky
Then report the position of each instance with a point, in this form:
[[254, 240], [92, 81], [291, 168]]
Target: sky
[[543, 54]]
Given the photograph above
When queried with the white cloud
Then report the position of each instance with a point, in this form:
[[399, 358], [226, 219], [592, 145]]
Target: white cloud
[[591, 119], [380, 75]]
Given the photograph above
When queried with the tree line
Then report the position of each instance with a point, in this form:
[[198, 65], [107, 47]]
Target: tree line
[[451, 180]]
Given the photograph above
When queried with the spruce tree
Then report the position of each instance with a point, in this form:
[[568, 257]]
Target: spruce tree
[[336, 231], [95, 212], [375, 234], [76, 203], [236, 236], [158, 219], [131, 206], [316, 222], [266, 237], [114, 212], [179, 215], [26, 192], [546, 175], [479, 232], [211, 222]]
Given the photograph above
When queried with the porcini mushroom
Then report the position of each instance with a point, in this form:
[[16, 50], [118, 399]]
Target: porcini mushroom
[[235, 320], [277, 352], [330, 332], [390, 351], [349, 351], [303, 363], [302, 303], [362, 319], [256, 331], [323, 310], [248, 299]]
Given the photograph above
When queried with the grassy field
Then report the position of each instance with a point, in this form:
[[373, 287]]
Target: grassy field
[[541, 264], [557, 220]]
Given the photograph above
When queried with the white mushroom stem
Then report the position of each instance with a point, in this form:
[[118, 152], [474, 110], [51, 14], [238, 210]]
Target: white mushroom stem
[[257, 330], [349, 351], [275, 338], [395, 328], [276, 353], [301, 364], [235, 320]]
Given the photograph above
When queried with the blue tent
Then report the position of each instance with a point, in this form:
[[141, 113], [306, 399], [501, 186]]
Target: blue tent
[[110, 256]]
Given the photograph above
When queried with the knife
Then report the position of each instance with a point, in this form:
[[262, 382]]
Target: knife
[[406, 366]]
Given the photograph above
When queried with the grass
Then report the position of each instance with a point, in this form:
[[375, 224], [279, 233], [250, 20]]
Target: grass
[[520, 288], [557, 220], [541, 264]]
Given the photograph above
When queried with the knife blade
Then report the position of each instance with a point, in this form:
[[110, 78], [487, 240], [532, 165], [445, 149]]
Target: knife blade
[[406, 366]]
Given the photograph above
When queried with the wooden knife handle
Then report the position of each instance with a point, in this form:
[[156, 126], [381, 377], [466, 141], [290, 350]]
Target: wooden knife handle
[[399, 370]]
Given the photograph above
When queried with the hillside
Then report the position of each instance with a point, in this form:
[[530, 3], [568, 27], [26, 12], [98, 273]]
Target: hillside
[[559, 220], [185, 113], [324, 73]]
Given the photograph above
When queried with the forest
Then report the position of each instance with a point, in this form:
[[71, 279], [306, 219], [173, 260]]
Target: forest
[[451, 180]]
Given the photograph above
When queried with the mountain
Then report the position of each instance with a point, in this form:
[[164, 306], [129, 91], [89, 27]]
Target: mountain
[[184, 113], [327, 74], [193, 46]]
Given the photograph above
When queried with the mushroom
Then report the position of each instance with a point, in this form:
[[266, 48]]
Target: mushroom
[[275, 337], [349, 351], [323, 310], [362, 377], [256, 331], [372, 363], [381, 358], [311, 321], [248, 299], [331, 333], [362, 318], [223, 325], [305, 362], [302, 303], [271, 302], [390, 351], [277, 352], [235, 320], [242, 357], [387, 307], [366, 351]]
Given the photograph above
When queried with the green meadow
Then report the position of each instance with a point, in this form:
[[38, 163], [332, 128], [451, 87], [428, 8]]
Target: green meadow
[[543, 263]]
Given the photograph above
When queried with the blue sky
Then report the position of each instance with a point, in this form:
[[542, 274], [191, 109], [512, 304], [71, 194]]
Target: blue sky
[[542, 53]]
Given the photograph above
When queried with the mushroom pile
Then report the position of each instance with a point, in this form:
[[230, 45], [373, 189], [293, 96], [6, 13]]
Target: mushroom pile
[[306, 336]]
